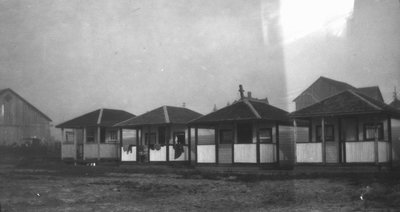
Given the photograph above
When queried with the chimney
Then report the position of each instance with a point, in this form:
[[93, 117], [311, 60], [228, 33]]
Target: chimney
[[249, 94], [241, 91]]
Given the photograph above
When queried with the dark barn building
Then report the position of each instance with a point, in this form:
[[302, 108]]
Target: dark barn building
[[20, 121]]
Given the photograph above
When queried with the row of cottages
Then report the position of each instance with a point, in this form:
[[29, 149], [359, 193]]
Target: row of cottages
[[20, 121], [336, 123], [92, 136]]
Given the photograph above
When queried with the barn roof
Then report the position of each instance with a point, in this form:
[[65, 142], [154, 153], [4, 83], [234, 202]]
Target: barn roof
[[100, 117], [346, 103], [161, 115], [245, 109], [24, 100], [372, 91]]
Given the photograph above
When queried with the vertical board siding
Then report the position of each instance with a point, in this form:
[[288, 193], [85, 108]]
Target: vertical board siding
[[225, 153], [184, 156], [128, 155], [309, 152], [90, 151], [331, 152], [268, 153], [109, 150], [158, 155], [302, 134], [245, 153], [396, 140], [68, 151], [360, 152], [383, 151], [286, 142], [206, 154]]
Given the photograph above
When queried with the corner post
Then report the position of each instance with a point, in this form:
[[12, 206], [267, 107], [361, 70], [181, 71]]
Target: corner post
[[84, 143], [323, 140], [189, 145], [389, 126], [196, 141], [62, 141], [277, 142], [376, 150], [98, 142], [295, 140]]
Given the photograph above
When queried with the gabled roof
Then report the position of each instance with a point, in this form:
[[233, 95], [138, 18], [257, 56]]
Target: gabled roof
[[24, 100], [245, 109], [100, 117], [340, 86], [395, 103], [161, 115], [346, 103], [373, 92]]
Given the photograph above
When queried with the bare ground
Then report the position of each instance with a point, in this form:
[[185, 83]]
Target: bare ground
[[44, 186]]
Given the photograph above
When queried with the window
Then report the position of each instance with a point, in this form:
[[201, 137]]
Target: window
[[90, 135], [179, 138], [150, 138], [329, 133], [265, 135], [69, 137], [226, 137], [369, 131], [2, 110], [244, 133], [112, 136]]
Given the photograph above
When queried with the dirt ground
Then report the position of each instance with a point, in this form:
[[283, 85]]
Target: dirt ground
[[43, 186]]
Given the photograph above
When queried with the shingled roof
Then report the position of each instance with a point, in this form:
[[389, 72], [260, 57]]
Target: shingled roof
[[346, 103], [373, 92], [245, 109], [161, 115], [100, 117], [16, 94]]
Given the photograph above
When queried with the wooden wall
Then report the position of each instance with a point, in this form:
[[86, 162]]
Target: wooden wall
[[20, 120]]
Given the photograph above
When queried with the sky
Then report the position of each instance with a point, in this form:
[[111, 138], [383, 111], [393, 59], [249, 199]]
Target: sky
[[69, 57]]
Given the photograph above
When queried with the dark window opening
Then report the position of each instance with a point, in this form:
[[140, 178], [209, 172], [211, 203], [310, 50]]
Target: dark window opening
[[179, 138], [90, 135], [244, 133], [150, 138], [226, 137]]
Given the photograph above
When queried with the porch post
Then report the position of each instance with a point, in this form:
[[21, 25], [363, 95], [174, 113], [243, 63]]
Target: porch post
[[189, 145], [148, 141], [258, 142], [277, 142], [137, 145], [75, 145], [389, 126], [295, 140], [62, 141], [196, 141], [376, 144], [84, 143], [167, 138], [216, 144], [98, 142], [234, 141], [340, 139], [120, 145], [323, 140]]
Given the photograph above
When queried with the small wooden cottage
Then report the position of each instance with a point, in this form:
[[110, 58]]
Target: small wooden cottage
[[20, 121], [92, 137], [159, 135], [249, 131], [348, 127]]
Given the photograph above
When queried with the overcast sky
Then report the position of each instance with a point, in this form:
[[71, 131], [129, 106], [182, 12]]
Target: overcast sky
[[69, 57]]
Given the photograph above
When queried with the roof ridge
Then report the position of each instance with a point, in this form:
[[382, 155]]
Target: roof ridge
[[100, 116], [166, 115], [246, 101]]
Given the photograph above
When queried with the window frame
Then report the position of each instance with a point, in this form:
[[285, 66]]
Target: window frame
[[110, 132], [318, 138], [381, 131], [88, 135], [268, 129], [72, 135], [147, 137]]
